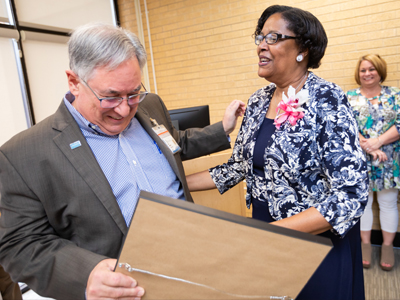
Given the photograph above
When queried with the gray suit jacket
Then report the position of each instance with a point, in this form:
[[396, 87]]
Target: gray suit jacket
[[59, 217]]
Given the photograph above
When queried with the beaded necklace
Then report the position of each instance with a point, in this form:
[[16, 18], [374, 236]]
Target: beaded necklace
[[373, 98]]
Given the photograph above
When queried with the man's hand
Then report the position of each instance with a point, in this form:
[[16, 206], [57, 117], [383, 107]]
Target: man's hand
[[232, 112], [104, 283]]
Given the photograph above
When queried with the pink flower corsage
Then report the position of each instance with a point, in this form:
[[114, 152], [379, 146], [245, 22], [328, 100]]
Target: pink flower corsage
[[289, 108]]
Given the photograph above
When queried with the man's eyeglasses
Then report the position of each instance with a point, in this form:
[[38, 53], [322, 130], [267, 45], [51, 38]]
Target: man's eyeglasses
[[271, 38], [111, 102]]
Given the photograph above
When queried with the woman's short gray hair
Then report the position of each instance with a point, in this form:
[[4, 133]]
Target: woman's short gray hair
[[101, 45]]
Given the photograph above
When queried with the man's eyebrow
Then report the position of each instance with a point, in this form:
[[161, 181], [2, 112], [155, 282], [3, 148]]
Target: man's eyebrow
[[131, 92]]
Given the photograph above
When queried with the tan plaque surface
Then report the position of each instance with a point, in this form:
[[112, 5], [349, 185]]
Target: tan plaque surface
[[179, 250]]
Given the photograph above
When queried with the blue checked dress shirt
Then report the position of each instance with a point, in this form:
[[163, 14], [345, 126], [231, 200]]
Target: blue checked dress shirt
[[131, 162]]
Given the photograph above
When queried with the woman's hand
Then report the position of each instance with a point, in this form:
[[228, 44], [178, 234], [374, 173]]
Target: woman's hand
[[234, 110], [378, 154], [370, 145], [362, 139]]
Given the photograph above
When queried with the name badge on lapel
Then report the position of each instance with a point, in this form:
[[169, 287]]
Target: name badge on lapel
[[166, 137]]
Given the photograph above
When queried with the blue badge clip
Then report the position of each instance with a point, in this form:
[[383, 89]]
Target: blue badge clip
[[75, 145]]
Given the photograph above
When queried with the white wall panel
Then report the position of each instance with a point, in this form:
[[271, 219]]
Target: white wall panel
[[13, 119], [46, 63], [3, 9], [64, 14]]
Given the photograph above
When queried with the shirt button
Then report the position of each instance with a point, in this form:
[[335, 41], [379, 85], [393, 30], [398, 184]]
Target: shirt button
[[134, 162]]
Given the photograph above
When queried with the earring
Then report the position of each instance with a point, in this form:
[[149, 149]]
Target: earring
[[299, 57]]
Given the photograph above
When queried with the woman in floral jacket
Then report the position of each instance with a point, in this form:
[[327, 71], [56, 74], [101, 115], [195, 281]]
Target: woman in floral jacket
[[299, 152], [377, 111]]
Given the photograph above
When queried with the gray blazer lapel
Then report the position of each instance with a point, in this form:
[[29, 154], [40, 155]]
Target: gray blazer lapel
[[144, 119], [85, 163]]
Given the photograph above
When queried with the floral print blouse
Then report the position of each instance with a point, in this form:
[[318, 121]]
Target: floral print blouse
[[374, 120], [318, 162]]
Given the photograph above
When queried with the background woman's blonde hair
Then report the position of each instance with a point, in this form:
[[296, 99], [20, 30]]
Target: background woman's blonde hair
[[378, 62]]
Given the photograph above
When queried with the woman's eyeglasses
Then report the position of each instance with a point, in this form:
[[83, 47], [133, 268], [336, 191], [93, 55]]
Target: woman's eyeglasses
[[271, 38]]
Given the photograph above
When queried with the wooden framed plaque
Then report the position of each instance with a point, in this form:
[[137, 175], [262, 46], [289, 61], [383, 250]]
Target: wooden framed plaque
[[180, 250]]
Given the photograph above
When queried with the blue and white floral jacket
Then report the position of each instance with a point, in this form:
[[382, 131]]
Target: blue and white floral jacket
[[318, 162]]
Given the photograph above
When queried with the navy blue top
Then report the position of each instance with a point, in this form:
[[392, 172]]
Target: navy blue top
[[267, 129], [260, 206]]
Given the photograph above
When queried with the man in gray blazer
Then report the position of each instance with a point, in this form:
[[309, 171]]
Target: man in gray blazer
[[69, 184]]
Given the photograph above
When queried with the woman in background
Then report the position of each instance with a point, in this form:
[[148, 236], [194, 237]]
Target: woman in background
[[377, 111], [299, 151]]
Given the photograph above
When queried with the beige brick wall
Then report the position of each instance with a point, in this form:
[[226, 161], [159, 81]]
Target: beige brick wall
[[204, 52], [127, 15]]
